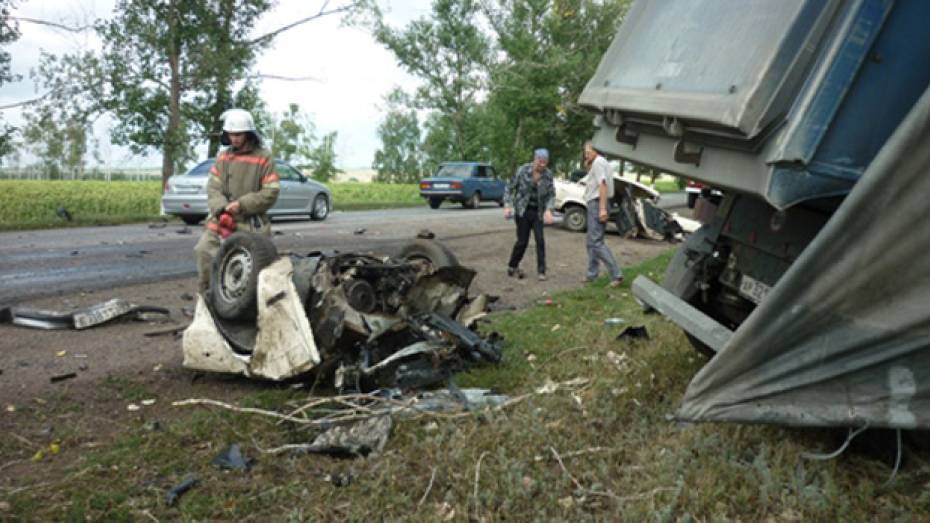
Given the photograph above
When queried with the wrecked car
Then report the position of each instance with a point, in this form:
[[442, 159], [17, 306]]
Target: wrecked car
[[365, 321], [633, 210]]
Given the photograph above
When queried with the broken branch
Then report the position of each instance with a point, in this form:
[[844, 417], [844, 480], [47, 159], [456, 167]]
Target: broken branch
[[322, 12], [477, 476], [48, 23], [582, 452], [428, 488]]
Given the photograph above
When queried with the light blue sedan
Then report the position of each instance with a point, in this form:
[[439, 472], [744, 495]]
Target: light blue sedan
[[185, 195]]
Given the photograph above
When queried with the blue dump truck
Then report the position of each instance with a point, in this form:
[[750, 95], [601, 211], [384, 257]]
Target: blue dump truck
[[810, 287]]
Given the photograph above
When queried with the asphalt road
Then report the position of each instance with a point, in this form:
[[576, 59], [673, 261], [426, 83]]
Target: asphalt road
[[42, 263]]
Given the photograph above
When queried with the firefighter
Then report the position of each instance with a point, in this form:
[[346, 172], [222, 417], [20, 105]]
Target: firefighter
[[243, 186]]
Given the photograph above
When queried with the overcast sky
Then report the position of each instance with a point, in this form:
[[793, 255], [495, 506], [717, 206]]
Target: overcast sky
[[352, 71]]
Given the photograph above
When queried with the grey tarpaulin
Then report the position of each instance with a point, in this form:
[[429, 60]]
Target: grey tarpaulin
[[843, 339]]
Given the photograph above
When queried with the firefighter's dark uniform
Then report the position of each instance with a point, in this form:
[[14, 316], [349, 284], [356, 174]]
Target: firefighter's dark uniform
[[247, 175]]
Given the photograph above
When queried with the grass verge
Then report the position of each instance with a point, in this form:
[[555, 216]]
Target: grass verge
[[35, 204], [603, 449]]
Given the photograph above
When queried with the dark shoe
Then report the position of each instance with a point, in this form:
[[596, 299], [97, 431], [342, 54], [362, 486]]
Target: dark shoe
[[511, 271], [616, 283], [519, 272]]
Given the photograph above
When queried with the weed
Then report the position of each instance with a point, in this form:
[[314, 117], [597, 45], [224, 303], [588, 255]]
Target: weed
[[606, 450]]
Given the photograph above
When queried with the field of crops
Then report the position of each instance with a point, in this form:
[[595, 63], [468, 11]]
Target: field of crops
[[33, 204], [26, 204]]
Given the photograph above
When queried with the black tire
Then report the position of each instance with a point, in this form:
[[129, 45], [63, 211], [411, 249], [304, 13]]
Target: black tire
[[437, 254], [692, 200], [320, 209], [500, 203], [434, 203], [473, 201], [234, 281], [576, 218], [192, 219]]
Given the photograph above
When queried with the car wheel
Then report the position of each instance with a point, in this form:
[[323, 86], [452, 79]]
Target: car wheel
[[192, 219], [576, 218], [473, 202], [434, 203], [234, 281], [692, 200], [432, 252], [500, 203], [320, 208]]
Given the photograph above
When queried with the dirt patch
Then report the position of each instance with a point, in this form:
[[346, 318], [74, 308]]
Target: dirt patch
[[116, 365], [30, 358]]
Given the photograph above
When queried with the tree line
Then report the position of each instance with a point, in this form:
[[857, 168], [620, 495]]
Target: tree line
[[165, 73], [496, 79]]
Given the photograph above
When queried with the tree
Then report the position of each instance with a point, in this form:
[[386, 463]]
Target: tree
[[59, 148], [166, 71], [498, 99], [292, 137], [9, 32], [449, 53], [162, 61], [323, 159], [549, 49], [399, 158]]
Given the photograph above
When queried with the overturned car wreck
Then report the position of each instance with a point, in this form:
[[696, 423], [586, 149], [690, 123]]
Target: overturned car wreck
[[365, 321]]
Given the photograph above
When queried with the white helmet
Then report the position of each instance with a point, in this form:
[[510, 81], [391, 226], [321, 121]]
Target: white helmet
[[238, 121]]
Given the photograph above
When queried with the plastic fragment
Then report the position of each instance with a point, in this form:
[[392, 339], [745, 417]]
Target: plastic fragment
[[232, 459], [178, 490]]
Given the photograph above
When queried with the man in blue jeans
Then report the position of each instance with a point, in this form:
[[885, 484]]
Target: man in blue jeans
[[598, 190]]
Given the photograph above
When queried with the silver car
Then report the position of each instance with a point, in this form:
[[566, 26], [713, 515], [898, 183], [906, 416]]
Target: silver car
[[185, 195]]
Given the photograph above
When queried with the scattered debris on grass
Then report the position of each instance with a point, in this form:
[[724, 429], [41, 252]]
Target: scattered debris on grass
[[62, 377], [178, 490], [360, 424], [634, 332], [232, 459]]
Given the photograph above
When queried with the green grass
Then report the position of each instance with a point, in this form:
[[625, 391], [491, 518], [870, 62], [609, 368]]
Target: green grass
[[32, 204], [353, 196], [624, 460]]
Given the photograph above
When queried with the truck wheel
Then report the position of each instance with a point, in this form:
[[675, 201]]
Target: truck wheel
[[473, 202], [576, 218], [692, 200], [432, 252], [234, 281], [434, 203]]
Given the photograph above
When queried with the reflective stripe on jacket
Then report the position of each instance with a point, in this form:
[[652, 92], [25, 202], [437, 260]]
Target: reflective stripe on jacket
[[249, 176]]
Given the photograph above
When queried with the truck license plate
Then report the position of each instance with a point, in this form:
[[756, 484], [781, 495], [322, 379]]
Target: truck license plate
[[753, 289]]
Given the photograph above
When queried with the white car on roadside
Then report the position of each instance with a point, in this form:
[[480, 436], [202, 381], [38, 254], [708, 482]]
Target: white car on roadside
[[569, 200]]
